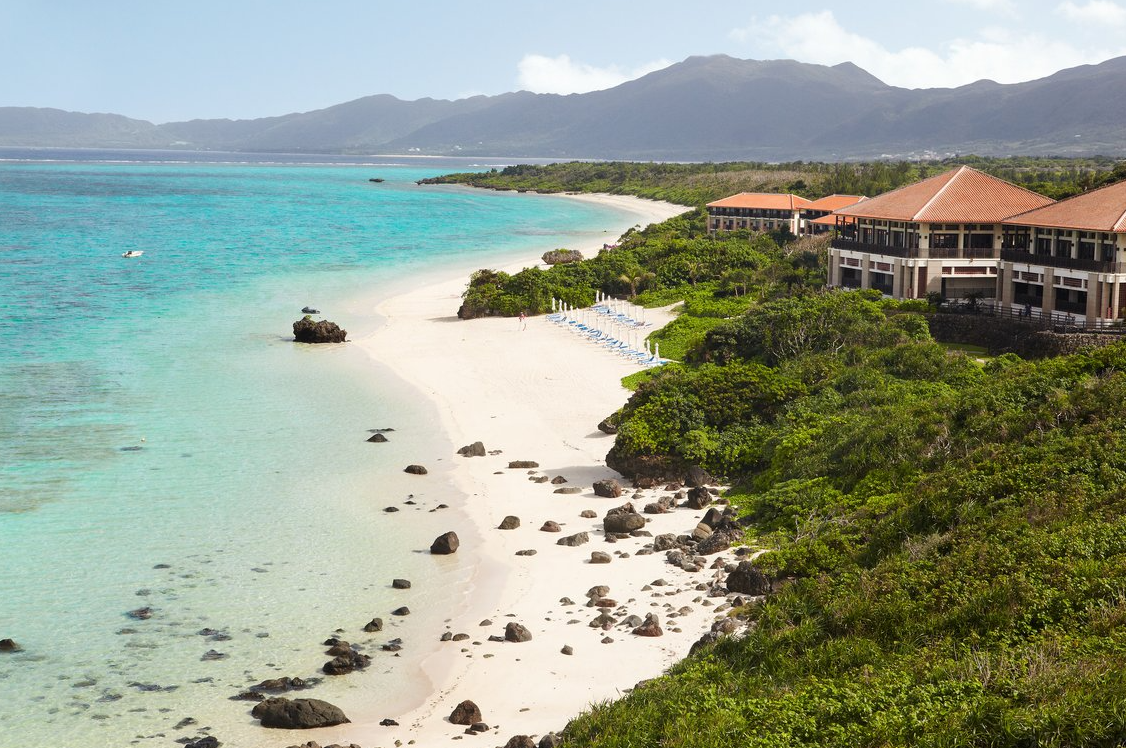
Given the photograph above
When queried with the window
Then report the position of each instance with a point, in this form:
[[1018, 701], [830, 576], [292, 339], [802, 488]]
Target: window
[[944, 241]]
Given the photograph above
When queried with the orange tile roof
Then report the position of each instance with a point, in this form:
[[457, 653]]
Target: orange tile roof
[[831, 220], [762, 201], [962, 195], [1103, 209], [835, 202]]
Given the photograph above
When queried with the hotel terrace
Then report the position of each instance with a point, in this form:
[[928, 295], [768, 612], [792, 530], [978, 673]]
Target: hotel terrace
[[966, 233], [765, 211]]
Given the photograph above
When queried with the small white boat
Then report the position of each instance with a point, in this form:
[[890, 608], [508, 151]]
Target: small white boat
[[133, 253]]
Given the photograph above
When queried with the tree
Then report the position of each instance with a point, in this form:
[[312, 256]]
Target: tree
[[637, 282]]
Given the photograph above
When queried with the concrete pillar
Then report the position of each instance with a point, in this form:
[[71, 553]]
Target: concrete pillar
[[934, 277], [1005, 281], [1095, 306], [897, 279], [834, 267], [1116, 298], [865, 275], [1049, 291]]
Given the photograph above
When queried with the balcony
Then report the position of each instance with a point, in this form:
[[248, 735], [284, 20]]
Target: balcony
[[874, 249], [934, 253], [1067, 263]]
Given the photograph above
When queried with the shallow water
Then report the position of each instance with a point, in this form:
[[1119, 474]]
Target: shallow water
[[164, 444]]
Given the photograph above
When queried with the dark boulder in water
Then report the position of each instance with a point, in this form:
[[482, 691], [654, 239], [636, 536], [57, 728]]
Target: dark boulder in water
[[305, 330], [299, 714], [282, 684], [208, 741], [309, 310], [445, 544]]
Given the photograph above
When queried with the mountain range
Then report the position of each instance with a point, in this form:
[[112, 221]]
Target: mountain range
[[702, 109]]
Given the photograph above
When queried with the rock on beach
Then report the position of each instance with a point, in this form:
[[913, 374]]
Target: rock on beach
[[298, 714], [608, 488], [574, 540], [466, 713], [305, 330], [476, 449], [516, 632], [445, 544]]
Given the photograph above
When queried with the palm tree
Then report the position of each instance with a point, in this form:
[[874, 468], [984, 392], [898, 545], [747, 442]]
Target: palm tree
[[636, 282]]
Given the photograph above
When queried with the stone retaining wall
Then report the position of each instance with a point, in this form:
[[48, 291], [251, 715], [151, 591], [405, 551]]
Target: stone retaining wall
[[1003, 335]]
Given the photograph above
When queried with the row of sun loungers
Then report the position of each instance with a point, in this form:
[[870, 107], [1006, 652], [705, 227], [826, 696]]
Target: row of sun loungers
[[598, 325]]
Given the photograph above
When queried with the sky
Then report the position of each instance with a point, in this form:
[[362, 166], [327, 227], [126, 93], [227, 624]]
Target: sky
[[164, 61]]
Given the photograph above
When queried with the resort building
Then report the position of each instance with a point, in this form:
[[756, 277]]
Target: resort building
[[965, 233], [1068, 257], [943, 234], [757, 211], [818, 215]]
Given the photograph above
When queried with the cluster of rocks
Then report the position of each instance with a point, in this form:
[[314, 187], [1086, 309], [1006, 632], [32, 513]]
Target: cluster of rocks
[[260, 691], [208, 741], [690, 552], [345, 658], [469, 714]]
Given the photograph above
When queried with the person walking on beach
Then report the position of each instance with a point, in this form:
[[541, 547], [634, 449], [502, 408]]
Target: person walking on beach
[[523, 321]]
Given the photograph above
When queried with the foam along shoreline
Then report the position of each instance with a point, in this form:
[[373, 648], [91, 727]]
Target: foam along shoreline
[[535, 394]]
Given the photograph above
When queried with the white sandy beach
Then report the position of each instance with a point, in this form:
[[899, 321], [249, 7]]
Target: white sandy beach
[[535, 394]]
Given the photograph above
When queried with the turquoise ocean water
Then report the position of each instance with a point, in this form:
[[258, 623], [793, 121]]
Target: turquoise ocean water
[[163, 444]]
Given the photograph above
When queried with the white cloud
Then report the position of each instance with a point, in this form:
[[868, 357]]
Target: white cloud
[[1101, 12], [562, 75], [995, 53], [1004, 7]]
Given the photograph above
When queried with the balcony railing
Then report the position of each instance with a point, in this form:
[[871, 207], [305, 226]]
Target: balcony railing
[[1071, 307], [874, 249], [981, 253], [935, 253], [1067, 263]]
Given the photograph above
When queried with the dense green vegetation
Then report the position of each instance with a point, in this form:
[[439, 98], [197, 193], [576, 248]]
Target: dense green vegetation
[[661, 264], [948, 536], [955, 536], [698, 184]]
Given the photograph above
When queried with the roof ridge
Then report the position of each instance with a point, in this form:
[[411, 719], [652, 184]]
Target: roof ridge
[[960, 170]]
